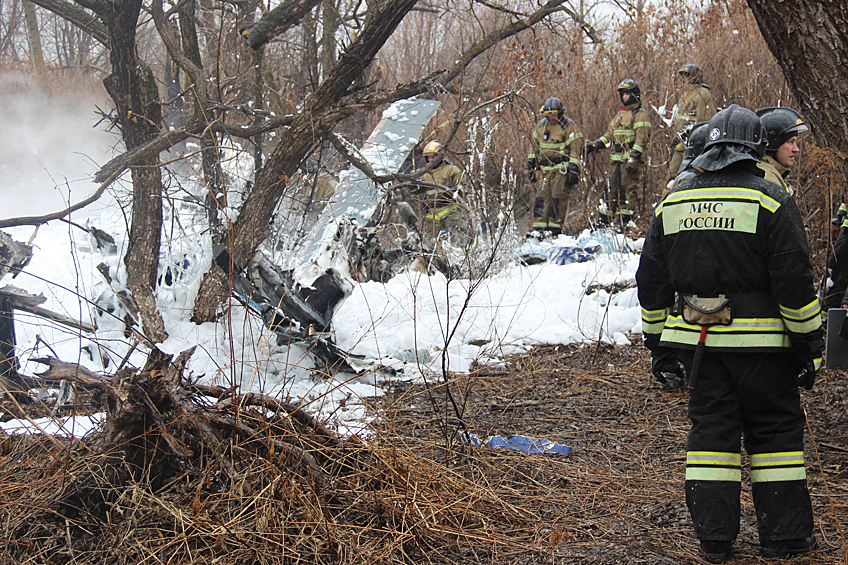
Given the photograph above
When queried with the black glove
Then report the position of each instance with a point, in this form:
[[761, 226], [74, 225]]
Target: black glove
[[593, 146], [572, 175], [532, 176], [664, 364], [636, 154], [531, 164], [808, 377]]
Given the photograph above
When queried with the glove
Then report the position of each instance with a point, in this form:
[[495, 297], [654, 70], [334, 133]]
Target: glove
[[636, 155], [632, 166], [836, 222], [531, 164], [808, 352], [808, 377], [572, 175], [664, 365], [532, 176], [594, 146]]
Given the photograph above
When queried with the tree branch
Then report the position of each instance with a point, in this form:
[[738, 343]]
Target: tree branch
[[77, 16], [277, 22], [494, 38]]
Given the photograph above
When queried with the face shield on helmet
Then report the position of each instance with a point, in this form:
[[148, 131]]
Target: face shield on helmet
[[432, 148], [631, 87], [781, 125], [691, 71], [552, 107]]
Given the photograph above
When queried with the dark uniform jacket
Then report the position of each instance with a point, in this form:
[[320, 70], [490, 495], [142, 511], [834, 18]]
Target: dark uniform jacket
[[730, 232]]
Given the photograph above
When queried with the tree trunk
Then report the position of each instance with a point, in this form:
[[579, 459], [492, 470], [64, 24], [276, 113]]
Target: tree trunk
[[34, 40], [309, 127], [133, 89], [809, 39]]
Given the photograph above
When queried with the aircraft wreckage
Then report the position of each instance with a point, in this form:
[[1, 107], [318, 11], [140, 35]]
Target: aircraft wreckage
[[298, 303]]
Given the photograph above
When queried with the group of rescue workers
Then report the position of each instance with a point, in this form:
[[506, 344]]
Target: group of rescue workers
[[725, 283]]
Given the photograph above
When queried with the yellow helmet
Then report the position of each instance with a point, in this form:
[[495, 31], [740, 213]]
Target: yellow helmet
[[432, 148]]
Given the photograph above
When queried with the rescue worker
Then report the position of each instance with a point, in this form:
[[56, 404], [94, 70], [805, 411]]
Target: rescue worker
[[445, 187], [695, 104], [556, 146], [627, 135], [783, 127], [835, 285], [725, 284], [696, 138]]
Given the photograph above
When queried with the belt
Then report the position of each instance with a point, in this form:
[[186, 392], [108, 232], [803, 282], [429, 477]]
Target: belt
[[757, 304], [546, 162]]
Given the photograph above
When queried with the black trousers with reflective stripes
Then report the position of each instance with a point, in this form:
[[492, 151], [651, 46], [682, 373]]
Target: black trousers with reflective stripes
[[752, 395]]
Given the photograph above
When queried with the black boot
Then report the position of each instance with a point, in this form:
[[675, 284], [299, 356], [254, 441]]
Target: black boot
[[716, 551], [783, 549]]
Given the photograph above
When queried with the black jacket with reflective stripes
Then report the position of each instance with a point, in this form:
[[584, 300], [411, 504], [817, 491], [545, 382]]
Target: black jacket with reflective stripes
[[730, 232]]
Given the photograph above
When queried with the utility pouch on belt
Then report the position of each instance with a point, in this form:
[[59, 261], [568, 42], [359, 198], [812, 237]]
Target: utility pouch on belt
[[704, 311]]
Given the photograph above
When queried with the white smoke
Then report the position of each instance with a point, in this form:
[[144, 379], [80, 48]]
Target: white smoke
[[49, 148]]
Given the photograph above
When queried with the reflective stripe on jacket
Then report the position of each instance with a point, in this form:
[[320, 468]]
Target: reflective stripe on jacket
[[555, 145], [729, 232], [630, 129]]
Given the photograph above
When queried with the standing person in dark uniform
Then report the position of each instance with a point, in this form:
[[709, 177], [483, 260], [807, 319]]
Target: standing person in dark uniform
[[726, 286], [556, 145], [835, 285], [696, 138], [627, 135]]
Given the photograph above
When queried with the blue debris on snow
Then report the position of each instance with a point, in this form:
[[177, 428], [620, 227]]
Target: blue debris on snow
[[526, 444], [588, 246], [567, 255]]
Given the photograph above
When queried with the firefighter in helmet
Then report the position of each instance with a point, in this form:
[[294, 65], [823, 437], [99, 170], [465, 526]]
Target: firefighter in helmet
[[627, 137], [556, 145], [695, 139], [726, 288], [783, 128], [443, 191], [694, 105]]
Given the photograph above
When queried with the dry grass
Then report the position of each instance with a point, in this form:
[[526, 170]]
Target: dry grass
[[411, 495]]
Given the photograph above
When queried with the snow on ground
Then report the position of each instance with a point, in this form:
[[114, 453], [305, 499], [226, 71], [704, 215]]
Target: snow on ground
[[510, 311], [404, 324]]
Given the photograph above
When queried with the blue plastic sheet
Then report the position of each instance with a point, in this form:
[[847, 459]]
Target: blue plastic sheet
[[566, 255], [526, 444]]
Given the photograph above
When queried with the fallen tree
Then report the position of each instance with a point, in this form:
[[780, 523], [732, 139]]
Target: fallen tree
[[182, 472]]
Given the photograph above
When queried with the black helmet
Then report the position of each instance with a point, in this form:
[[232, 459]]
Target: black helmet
[[738, 125], [734, 134], [552, 105], [630, 86], [695, 140], [781, 125], [691, 71]]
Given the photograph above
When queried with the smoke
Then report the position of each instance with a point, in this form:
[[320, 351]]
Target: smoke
[[49, 149]]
